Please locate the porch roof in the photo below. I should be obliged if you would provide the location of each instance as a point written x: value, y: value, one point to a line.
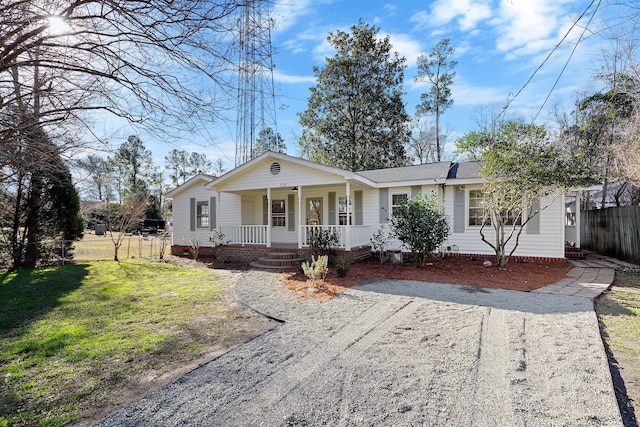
x: 338, y: 174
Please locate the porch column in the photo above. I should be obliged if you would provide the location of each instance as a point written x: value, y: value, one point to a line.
x: 578, y: 214
x: 300, y: 225
x: 347, y: 237
x: 269, y: 219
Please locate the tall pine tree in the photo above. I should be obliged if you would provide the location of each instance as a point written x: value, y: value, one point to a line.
x: 437, y: 69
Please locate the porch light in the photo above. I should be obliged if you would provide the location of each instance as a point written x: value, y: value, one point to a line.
x: 294, y: 189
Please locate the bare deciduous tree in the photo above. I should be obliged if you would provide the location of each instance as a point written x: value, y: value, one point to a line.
x: 143, y: 60
x: 121, y: 217
x: 422, y: 145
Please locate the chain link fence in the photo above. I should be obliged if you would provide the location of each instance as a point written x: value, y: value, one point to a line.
x: 102, y: 248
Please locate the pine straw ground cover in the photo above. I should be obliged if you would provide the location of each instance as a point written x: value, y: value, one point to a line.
x: 520, y: 276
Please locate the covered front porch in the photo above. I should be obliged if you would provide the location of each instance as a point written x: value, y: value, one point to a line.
x: 289, y: 217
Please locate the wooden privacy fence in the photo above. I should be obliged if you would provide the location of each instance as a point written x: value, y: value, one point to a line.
x: 612, y: 231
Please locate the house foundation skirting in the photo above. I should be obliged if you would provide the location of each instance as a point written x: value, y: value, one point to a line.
x: 252, y: 253
x: 513, y: 258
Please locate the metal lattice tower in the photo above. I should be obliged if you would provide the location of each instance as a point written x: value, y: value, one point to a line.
x: 256, y: 95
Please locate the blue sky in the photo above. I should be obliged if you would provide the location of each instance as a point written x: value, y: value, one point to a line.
x: 499, y: 44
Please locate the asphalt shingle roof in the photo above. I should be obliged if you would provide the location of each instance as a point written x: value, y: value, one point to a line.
x: 431, y: 171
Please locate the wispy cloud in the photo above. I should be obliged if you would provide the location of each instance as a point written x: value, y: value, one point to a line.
x: 529, y: 27
x: 287, y: 12
x: 466, y: 93
x: 292, y: 79
x: 465, y: 13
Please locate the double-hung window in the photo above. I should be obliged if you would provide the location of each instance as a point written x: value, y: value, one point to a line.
x: 278, y: 213
x: 396, y: 200
x: 477, y: 211
x: 477, y: 208
x: 202, y: 214
x: 344, y: 218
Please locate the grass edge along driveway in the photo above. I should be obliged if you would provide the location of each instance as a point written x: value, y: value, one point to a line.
x: 618, y: 312
x: 73, y: 338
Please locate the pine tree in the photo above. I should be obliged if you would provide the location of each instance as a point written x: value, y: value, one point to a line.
x: 437, y: 69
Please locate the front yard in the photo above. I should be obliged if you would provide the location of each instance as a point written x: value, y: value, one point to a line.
x: 79, y: 340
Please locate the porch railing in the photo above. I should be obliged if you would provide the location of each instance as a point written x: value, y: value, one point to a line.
x: 257, y: 234
x: 359, y: 234
x: 245, y: 234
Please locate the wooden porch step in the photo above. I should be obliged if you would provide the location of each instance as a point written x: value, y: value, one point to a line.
x: 278, y: 261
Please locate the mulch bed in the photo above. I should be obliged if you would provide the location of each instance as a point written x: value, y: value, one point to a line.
x: 519, y: 276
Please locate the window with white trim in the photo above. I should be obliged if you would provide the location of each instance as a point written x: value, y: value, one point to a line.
x: 396, y: 200
x: 477, y: 212
x: 342, y: 210
x: 477, y: 208
x: 202, y: 214
x: 278, y: 213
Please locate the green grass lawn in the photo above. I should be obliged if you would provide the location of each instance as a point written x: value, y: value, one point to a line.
x: 73, y: 337
x: 619, y: 315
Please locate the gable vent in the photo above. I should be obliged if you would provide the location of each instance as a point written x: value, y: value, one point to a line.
x: 275, y: 168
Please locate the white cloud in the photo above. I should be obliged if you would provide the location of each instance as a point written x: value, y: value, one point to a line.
x: 528, y: 27
x: 287, y: 12
x: 464, y: 93
x: 466, y: 13
x: 287, y: 78
x: 405, y: 46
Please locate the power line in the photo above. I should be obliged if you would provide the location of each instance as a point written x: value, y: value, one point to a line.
x: 555, y: 48
x: 575, y: 46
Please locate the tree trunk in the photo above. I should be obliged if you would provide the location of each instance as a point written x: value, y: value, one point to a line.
x: 32, y: 251
x: 16, y: 239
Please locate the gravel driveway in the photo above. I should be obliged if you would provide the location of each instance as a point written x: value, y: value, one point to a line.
x: 399, y: 353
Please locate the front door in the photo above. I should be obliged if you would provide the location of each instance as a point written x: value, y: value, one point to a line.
x: 314, y: 211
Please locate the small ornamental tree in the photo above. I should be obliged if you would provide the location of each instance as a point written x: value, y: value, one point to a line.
x: 524, y: 172
x: 419, y: 223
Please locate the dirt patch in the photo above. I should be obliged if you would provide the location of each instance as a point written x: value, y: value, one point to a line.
x: 518, y: 276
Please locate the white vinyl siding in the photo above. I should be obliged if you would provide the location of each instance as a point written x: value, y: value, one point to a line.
x: 291, y: 175
x: 548, y: 243
x: 181, y: 232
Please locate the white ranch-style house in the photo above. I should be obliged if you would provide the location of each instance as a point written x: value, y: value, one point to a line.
x: 274, y: 201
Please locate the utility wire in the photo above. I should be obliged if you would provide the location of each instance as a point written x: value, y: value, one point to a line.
x: 555, y: 48
x: 575, y: 46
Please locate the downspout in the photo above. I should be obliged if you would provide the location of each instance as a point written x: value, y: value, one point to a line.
x: 269, y: 219
x: 347, y: 242
x: 300, y: 225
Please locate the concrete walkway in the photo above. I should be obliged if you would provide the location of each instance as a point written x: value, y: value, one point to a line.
x: 589, y: 277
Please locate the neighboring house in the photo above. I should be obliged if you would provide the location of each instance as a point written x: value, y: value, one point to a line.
x: 273, y: 202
